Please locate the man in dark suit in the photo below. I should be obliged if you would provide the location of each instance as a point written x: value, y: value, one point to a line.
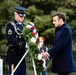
x: 16, y: 42
x: 61, y: 52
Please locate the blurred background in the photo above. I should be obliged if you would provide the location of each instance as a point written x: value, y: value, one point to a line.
x: 40, y: 13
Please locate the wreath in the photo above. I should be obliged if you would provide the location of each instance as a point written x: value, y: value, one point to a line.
x: 31, y: 36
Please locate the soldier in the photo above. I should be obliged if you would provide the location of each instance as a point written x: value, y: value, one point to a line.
x: 16, y: 42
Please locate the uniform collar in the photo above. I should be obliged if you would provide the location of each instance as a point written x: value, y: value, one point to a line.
x: 17, y: 22
x: 58, y: 28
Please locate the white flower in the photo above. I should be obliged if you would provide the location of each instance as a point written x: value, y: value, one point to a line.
x: 34, y: 30
x: 39, y: 56
x: 28, y: 26
x: 33, y: 39
x: 44, y: 64
x: 36, y: 35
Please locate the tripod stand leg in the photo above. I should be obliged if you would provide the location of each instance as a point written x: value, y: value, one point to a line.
x: 34, y: 66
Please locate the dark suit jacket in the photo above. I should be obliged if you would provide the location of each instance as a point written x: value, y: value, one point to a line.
x: 61, y: 53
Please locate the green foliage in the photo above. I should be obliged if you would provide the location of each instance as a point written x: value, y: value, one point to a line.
x: 32, y: 12
x: 6, y: 14
x: 40, y: 13
x: 43, y: 22
x: 45, y: 27
x: 72, y: 24
x: 46, y: 34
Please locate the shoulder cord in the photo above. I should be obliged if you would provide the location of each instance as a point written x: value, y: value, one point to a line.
x: 14, y: 25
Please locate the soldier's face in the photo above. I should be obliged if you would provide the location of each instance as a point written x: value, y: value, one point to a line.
x: 18, y: 17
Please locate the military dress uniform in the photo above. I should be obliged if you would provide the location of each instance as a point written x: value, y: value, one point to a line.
x: 16, y: 46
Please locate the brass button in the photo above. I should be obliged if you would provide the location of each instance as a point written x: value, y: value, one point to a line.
x: 16, y: 36
x: 12, y: 50
x: 19, y: 37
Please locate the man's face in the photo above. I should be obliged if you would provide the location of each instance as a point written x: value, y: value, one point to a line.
x: 56, y: 21
x: 18, y: 17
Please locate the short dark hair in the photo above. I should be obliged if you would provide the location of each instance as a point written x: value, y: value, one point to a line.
x: 60, y: 15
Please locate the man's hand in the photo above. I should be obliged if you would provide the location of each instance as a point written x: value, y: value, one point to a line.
x: 45, y: 55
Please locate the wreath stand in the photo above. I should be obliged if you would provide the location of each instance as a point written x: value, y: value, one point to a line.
x: 21, y: 61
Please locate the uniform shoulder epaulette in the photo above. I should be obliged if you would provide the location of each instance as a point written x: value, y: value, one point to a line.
x: 8, y: 24
x: 12, y: 23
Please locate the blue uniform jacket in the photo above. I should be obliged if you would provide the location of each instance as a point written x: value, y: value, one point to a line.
x: 61, y: 53
x: 16, y: 42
